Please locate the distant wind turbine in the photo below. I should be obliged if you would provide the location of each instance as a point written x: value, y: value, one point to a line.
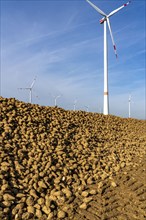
x: 87, y: 108
x: 129, y: 105
x: 55, y: 99
x: 30, y: 90
x: 106, y: 21
x: 75, y: 101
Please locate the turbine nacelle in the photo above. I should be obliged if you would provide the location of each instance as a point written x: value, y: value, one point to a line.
x: 102, y: 20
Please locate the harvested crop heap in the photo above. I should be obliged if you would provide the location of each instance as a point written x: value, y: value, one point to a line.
x: 49, y: 157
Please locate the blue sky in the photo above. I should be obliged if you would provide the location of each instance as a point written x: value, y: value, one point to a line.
x: 61, y: 42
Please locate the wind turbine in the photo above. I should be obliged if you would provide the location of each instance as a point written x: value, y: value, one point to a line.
x: 30, y: 90
x: 105, y: 21
x: 75, y: 101
x: 129, y: 105
x: 87, y: 108
x: 55, y: 100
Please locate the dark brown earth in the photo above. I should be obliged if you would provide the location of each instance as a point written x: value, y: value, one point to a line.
x: 57, y: 164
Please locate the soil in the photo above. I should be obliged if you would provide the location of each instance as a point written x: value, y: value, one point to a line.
x: 125, y: 201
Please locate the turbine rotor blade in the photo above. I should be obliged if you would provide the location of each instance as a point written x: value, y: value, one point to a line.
x: 118, y: 9
x: 110, y: 30
x: 24, y: 88
x: 96, y: 8
x: 33, y: 83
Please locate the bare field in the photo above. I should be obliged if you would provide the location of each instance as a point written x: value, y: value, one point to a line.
x: 57, y: 164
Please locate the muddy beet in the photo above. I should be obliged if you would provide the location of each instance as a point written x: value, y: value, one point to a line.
x: 58, y: 164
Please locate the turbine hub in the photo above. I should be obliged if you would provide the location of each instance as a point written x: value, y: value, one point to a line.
x: 102, y: 20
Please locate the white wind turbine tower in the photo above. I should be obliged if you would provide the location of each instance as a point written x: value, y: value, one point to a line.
x: 75, y: 102
x: 30, y: 90
x: 106, y: 21
x: 129, y: 106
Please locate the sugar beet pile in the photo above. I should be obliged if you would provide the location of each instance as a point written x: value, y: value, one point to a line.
x: 49, y: 156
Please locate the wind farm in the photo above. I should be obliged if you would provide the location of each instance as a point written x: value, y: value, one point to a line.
x: 66, y: 154
x: 66, y: 51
